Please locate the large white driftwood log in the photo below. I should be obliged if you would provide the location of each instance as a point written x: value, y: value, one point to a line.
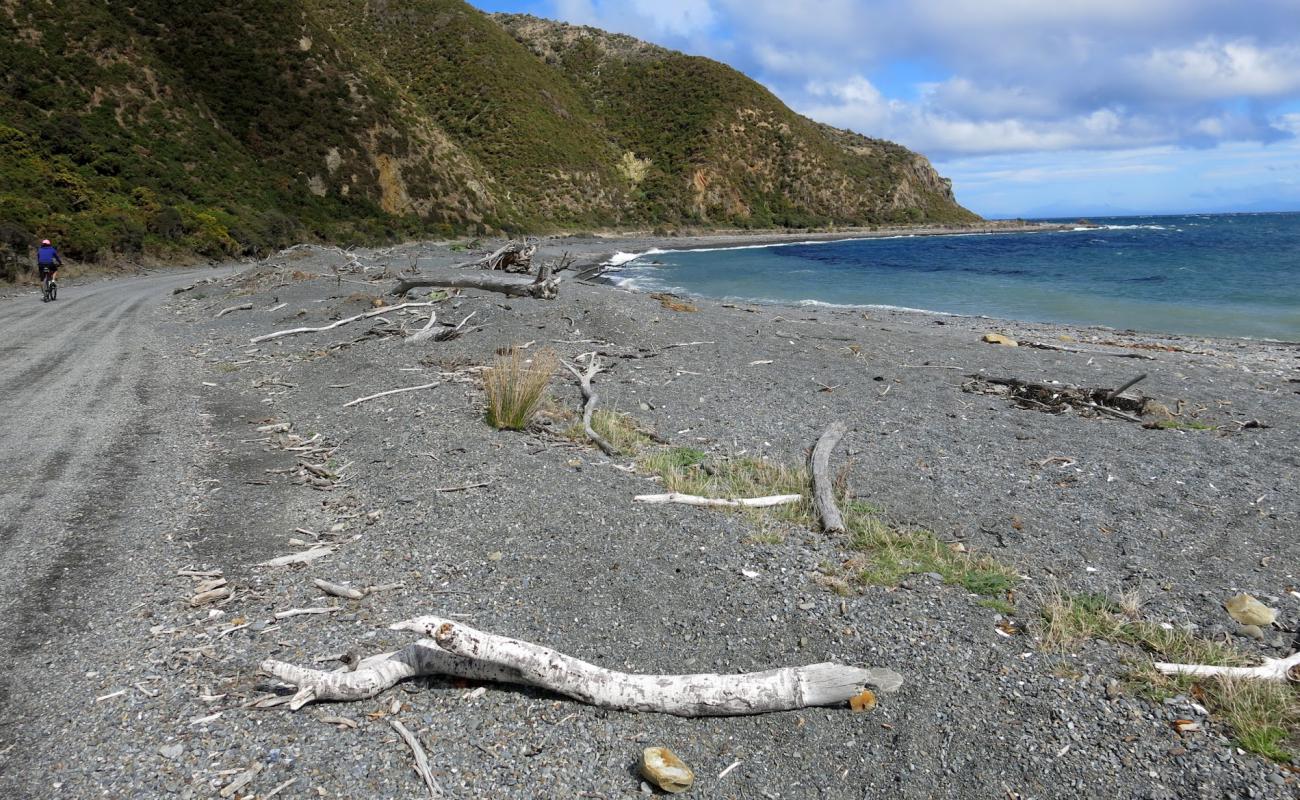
x: 590, y: 398
x: 823, y: 484
x: 458, y: 650
x: 1273, y: 669
x: 696, y: 500
x: 544, y: 287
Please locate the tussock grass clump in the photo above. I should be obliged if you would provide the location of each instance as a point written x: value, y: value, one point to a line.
x: 516, y: 386
x: 1264, y: 716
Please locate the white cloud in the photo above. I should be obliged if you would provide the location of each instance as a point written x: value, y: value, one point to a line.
x: 644, y: 18
x: 986, y: 76
x: 1211, y: 69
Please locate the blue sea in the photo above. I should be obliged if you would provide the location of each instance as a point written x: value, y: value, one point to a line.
x: 1234, y: 275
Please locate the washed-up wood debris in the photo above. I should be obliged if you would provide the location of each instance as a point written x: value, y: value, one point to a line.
x: 1062, y: 398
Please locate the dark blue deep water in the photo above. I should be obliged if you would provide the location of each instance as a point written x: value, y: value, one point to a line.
x: 1210, y: 275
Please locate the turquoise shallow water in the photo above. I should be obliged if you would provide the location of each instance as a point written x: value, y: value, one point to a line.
x: 1210, y: 275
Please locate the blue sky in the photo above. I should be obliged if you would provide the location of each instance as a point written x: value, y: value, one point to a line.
x: 1032, y: 107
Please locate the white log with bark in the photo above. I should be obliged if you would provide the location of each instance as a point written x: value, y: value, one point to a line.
x: 458, y: 650
x: 1273, y: 669
x: 823, y: 485
x: 544, y: 287
x: 742, y: 502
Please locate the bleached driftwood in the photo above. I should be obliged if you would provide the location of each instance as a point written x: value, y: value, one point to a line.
x: 457, y: 650
x: 421, y: 760
x: 695, y: 500
x: 338, y: 324
x: 823, y: 485
x: 305, y: 557
x: 514, y: 257
x: 233, y: 309
x: 590, y: 398
x: 338, y: 590
x: 377, y: 673
x: 369, y: 397
x: 543, y: 287
x: 427, y: 332
x: 1273, y: 669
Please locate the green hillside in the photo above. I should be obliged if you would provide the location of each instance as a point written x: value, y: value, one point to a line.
x: 233, y: 127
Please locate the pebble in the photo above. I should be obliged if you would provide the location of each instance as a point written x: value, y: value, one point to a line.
x: 171, y: 751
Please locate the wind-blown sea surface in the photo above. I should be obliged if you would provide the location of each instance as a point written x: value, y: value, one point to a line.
x: 1212, y: 275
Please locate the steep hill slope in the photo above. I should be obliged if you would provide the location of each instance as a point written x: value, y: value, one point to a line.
x: 237, y: 126
x: 715, y: 146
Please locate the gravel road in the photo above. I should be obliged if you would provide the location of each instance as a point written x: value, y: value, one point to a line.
x: 114, y: 685
x: 92, y: 450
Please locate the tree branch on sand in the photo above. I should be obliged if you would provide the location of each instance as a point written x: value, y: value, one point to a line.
x: 457, y: 650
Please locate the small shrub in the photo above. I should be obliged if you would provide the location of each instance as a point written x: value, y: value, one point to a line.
x: 515, y: 387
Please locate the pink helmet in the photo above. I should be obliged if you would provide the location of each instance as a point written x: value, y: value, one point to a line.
x: 45, y: 241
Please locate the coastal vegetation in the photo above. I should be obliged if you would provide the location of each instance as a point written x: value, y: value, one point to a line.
x: 1263, y: 716
x: 235, y: 128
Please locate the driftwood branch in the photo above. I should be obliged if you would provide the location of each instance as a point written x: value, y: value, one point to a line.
x: 233, y: 309
x: 340, y: 323
x: 421, y: 760
x: 695, y: 500
x: 378, y: 395
x: 458, y: 650
x: 543, y: 287
x: 1127, y: 386
x: 1273, y: 669
x: 1062, y: 349
x: 823, y: 484
x: 590, y: 398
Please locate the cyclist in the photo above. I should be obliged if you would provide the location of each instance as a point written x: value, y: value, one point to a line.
x: 47, y: 264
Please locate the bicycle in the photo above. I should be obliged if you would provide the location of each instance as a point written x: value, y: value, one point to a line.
x: 49, y: 290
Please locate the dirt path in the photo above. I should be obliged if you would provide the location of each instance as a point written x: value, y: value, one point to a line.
x: 90, y: 459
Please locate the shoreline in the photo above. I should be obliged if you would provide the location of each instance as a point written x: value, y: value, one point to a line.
x: 596, y: 262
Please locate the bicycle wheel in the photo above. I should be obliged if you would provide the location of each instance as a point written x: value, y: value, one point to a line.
x: 54, y: 291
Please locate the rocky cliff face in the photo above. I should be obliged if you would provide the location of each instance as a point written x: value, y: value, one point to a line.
x: 235, y: 126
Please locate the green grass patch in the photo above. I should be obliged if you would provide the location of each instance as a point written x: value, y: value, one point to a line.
x: 1183, y: 425
x: 1264, y: 716
x: 617, y: 428
x: 884, y: 555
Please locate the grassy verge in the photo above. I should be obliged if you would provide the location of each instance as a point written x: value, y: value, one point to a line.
x: 1263, y: 716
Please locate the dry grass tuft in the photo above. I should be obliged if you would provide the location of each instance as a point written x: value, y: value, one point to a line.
x: 516, y: 386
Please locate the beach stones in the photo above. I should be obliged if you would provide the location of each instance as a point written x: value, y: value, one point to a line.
x: 664, y: 769
x: 1249, y: 611
x: 997, y: 338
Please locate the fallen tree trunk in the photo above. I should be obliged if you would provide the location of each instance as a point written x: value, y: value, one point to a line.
x: 458, y: 650
x: 544, y: 287
x: 590, y: 398
x: 823, y: 485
